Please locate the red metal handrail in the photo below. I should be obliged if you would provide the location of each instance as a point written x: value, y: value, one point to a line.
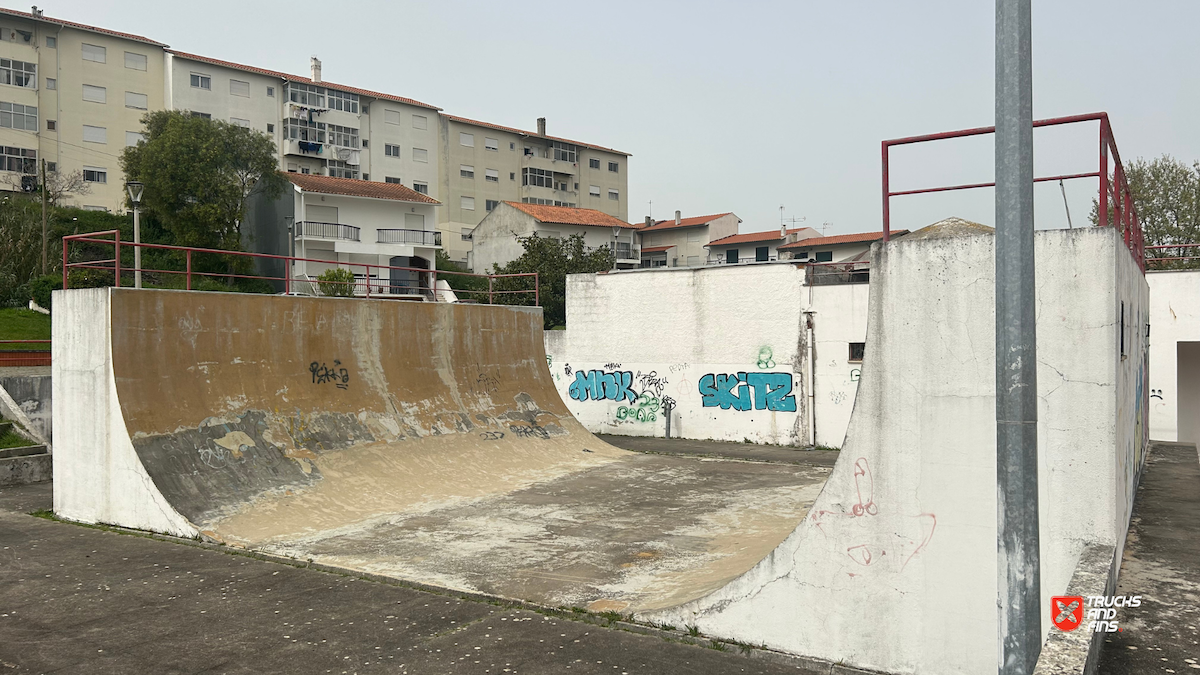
x: 1124, y: 210
x: 114, y: 264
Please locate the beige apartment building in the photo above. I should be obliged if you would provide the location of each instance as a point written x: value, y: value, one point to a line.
x: 681, y: 242
x: 74, y: 96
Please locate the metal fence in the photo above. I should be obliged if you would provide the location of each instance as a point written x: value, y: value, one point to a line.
x: 418, y: 237
x: 311, y: 228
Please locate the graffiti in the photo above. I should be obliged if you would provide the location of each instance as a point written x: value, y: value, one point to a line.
x: 837, y: 397
x: 855, y: 374
x: 600, y: 386
x: 678, y: 367
x: 612, y: 366
x: 532, y: 431
x: 487, y: 383
x: 668, y: 404
x: 757, y: 391
x: 651, y: 380
x: 567, y: 369
x: 549, y: 361
x: 766, y: 358
x: 492, y: 435
x: 212, y: 455
x: 322, y: 374
x: 644, y: 409
x: 1156, y: 393
x: 862, y: 476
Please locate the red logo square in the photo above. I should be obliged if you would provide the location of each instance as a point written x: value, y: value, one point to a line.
x: 1066, y: 611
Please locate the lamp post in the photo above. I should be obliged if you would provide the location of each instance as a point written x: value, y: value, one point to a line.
x: 616, y: 240
x: 135, y: 190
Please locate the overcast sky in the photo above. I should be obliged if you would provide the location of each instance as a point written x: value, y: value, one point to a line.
x: 742, y: 106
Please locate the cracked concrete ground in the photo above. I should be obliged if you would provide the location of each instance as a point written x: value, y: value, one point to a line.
x: 1161, y: 564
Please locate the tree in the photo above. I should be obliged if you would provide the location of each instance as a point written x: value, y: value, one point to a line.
x: 469, y: 287
x: 553, y: 259
x: 200, y: 174
x: 58, y: 185
x: 1166, y: 193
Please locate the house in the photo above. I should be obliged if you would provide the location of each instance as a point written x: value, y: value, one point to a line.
x: 353, y: 224
x: 496, y: 239
x: 755, y: 246
x: 681, y: 242
x: 835, y: 248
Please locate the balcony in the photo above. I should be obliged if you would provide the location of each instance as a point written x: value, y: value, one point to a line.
x: 413, y: 237
x: 332, y: 231
x: 627, y: 252
x: 547, y: 164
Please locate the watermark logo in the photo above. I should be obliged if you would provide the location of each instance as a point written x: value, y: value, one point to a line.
x: 1066, y: 611
x: 1069, y: 612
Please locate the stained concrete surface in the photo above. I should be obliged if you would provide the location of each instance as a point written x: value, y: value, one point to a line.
x: 1161, y: 564
x: 722, y: 449
x: 76, y: 599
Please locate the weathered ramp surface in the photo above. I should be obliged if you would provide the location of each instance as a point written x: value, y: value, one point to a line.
x: 419, y: 440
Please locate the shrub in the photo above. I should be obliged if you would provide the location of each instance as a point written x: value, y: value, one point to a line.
x: 336, y: 282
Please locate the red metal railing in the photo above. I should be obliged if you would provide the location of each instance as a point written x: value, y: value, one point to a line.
x: 10, y: 357
x: 1152, y: 257
x: 382, y: 287
x: 1112, y: 185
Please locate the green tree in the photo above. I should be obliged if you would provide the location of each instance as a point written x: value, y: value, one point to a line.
x: 199, y: 175
x: 1166, y: 193
x: 470, y: 287
x: 553, y: 259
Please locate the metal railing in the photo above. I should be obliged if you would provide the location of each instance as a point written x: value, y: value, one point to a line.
x: 310, y: 228
x: 369, y: 278
x: 1173, y: 256
x: 14, y: 353
x: 419, y: 237
x: 830, y: 273
x: 740, y: 261
x: 1113, y: 184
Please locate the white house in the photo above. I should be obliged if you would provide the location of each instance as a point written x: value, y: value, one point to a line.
x: 755, y: 246
x: 681, y: 242
x: 497, y: 238
x: 835, y: 248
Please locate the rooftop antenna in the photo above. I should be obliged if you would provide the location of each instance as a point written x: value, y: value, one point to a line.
x: 1065, y: 205
x: 652, y: 209
x: 823, y: 226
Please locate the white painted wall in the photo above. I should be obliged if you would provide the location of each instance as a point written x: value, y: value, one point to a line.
x: 1174, y: 318
x: 899, y: 550
x: 495, y: 239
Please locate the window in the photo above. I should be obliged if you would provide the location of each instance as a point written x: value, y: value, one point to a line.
x: 300, y: 129
x: 51, y: 42
x: 135, y: 61
x: 491, y: 144
x: 693, y: 260
x: 340, y: 169
x: 93, y: 174
x: 613, y: 167
x: 467, y: 203
x: 366, y: 176
x: 614, y: 194
x: 423, y: 188
x: 346, y: 137
x: 51, y: 166
x: 419, y: 121
x: 20, y: 160
x: 393, y: 179
x: 512, y: 175
x: 466, y: 171
x: 271, y: 92
x: 17, y: 116
x: 136, y: 100
x: 731, y: 255
x: 132, y: 138
x: 51, y: 125
x: 305, y: 170
x: 94, y: 94
x: 537, y: 177
x: 467, y: 140
x: 391, y: 150
x: 95, y: 134
x: 492, y: 203
x: 491, y: 175
x: 239, y: 88
x: 593, y: 163
x: 201, y: 81
x: 240, y: 122
x: 594, y: 190
x: 94, y: 53
x: 693, y: 235
x: 564, y: 151
x: 270, y: 128
x: 392, y: 117
x: 560, y: 186
x: 18, y: 73
x: 857, y: 349
x: 306, y: 94
x: 293, y: 167
x: 420, y: 155
x: 465, y: 233
x: 51, y: 83
x: 202, y: 115
x: 346, y: 102
x: 762, y: 253
x: 824, y: 256
x: 364, y: 143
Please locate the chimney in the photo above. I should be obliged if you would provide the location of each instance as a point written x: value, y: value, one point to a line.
x: 541, y: 126
x: 678, y: 219
x: 782, y: 231
x: 37, y: 13
x: 648, y: 221
x: 315, y: 64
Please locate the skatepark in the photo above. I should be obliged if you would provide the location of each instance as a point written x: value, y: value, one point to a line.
x: 427, y: 442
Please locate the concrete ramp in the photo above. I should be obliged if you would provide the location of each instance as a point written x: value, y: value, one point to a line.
x: 423, y: 441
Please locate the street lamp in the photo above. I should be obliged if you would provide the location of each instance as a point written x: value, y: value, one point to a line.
x: 135, y: 190
x: 616, y: 240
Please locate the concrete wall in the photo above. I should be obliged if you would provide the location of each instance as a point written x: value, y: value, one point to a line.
x: 1188, y: 408
x: 899, y: 549
x: 678, y: 334
x: 1174, y: 318
x: 34, y: 395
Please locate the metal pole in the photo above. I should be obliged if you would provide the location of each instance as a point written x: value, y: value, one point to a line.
x: 137, y: 249
x: 1017, y: 544
x: 45, y: 230
x: 887, y: 200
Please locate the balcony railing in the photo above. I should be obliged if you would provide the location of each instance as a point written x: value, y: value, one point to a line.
x: 418, y: 237
x: 308, y: 228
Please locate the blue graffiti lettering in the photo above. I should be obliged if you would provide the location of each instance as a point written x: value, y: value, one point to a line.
x: 757, y: 391
x: 599, y: 386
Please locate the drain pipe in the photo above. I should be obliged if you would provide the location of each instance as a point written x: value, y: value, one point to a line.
x: 811, y: 336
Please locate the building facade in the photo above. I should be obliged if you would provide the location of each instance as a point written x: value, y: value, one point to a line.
x: 755, y: 246
x: 681, y: 242
x: 834, y: 248
x: 496, y: 238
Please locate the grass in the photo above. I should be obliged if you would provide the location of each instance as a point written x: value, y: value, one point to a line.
x: 12, y: 439
x: 24, y: 324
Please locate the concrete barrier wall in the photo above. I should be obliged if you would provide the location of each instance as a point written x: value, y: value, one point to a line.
x: 33, y: 394
x: 1174, y: 318
x: 728, y: 347
x: 899, y: 550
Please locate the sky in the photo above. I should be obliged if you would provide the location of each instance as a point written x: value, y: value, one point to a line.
x: 742, y: 107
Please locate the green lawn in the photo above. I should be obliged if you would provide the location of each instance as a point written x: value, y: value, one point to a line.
x: 24, y: 324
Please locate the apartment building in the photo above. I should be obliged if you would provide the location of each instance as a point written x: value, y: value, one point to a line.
x: 73, y: 95
x: 486, y: 164
x: 681, y: 242
x: 496, y: 239
x: 755, y: 246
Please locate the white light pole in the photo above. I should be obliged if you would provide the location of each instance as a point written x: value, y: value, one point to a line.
x: 616, y: 240
x: 135, y: 189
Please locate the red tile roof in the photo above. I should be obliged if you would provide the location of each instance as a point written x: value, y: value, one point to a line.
x: 301, y: 79
x: 655, y: 249
x: 685, y: 222
x: 353, y: 187
x: 512, y: 130
x: 859, y: 238
x: 80, y: 26
x: 566, y: 215
x: 769, y: 235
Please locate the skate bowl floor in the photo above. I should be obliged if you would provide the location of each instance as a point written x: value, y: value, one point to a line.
x: 420, y: 441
